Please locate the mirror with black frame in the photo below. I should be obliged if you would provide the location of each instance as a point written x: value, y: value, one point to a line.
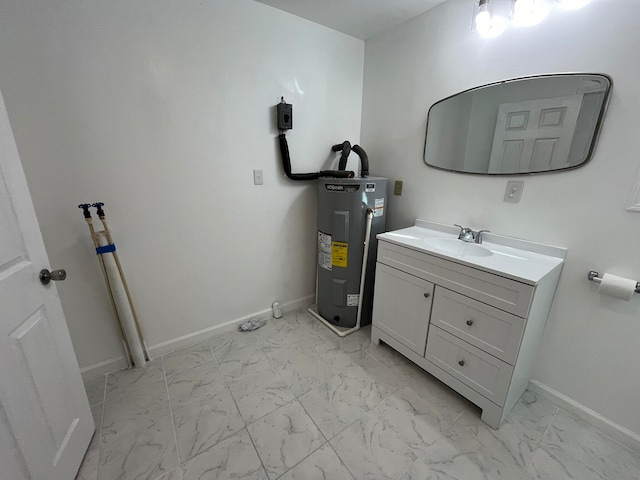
x: 525, y: 125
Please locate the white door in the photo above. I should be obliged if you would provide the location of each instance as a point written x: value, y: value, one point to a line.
x: 535, y: 135
x: 45, y: 420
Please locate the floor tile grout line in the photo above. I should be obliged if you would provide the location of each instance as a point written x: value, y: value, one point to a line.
x: 246, y: 427
x: 306, y: 413
x: 246, y: 424
x: 173, y: 422
x: 312, y: 420
x: 104, y: 403
x: 338, y: 432
x: 131, y: 388
x: 200, y: 405
x: 188, y: 368
x: 104, y: 393
x: 307, y: 456
x: 544, y: 434
x: 274, y: 369
x: 341, y: 461
x: 368, y: 409
x: 167, y: 377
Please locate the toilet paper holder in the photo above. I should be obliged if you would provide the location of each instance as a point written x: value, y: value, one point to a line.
x: 595, y: 277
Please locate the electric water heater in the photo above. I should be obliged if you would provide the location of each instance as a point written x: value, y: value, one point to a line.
x: 342, y: 219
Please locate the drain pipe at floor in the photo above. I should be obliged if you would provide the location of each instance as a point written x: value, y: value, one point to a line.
x: 365, y: 258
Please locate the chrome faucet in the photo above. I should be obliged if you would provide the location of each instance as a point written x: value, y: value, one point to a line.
x: 468, y: 235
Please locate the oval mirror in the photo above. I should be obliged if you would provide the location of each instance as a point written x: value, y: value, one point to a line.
x: 525, y: 125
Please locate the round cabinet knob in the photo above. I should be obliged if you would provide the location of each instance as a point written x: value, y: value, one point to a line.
x: 469, y: 322
x: 461, y: 363
x: 427, y: 295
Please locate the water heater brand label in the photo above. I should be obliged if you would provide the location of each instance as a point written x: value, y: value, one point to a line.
x: 378, y: 209
x: 339, y: 254
x: 334, y: 187
x: 324, y: 250
x: 370, y: 187
x: 353, y: 299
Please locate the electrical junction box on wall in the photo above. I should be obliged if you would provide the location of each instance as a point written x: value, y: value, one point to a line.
x: 285, y: 116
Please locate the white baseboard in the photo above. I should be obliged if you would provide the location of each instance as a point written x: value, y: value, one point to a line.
x: 621, y: 434
x: 102, y: 368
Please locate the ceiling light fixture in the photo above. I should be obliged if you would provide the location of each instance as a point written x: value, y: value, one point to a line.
x: 483, y: 18
x: 486, y: 24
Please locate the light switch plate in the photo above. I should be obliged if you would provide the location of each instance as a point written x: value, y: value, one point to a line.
x: 257, y: 177
x: 514, y: 191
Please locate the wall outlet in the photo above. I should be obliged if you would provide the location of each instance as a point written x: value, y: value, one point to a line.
x: 397, y: 187
x: 513, y: 192
x: 257, y: 177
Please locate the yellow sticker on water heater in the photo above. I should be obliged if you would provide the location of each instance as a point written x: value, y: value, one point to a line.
x: 339, y: 254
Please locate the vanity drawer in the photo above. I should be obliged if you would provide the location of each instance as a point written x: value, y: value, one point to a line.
x: 500, y: 292
x: 483, y: 372
x: 492, y: 330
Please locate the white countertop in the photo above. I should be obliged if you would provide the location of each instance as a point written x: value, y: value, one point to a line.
x: 517, y: 259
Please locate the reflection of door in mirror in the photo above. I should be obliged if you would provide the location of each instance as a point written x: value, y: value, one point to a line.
x: 535, y: 135
x: 526, y: 125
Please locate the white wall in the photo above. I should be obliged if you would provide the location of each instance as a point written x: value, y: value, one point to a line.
x: 590, y: 349
x: 161, y: 109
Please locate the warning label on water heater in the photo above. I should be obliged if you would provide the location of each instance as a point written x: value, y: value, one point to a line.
x: 339, y: 254
x: 353, y: 300
x: 324, y: 250
x: 378, y: 209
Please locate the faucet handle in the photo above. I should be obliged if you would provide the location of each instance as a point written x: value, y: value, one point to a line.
x: 478, y: 235
x: 463, y: 230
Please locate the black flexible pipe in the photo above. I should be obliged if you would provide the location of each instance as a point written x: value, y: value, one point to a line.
x: 346, y: 150
x: 337, y: 173
x: 286, y: 165
x: 340, y: 146
x: 364, y: 160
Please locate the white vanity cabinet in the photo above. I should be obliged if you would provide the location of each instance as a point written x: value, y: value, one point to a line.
x: 474, y: 322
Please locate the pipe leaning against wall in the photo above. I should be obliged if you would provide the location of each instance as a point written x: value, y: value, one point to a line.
x: 124, y: 311
x: 123, y: 307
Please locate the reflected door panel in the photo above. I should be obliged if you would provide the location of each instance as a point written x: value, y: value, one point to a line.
x: 534, y: 136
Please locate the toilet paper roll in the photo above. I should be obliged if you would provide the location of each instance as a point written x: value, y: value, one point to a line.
x: 617, y: 287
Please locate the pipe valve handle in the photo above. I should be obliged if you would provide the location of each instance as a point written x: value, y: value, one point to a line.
x: 99, y: 210
x: 85, y: 209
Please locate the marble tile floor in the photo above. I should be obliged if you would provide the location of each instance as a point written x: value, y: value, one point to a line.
x: 293, y: 401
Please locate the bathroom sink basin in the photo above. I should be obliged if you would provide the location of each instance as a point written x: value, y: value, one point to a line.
x: 514, y: 258
x: 458, y: 248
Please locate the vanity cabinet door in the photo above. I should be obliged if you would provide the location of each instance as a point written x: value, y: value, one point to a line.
x: 402, y: 306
